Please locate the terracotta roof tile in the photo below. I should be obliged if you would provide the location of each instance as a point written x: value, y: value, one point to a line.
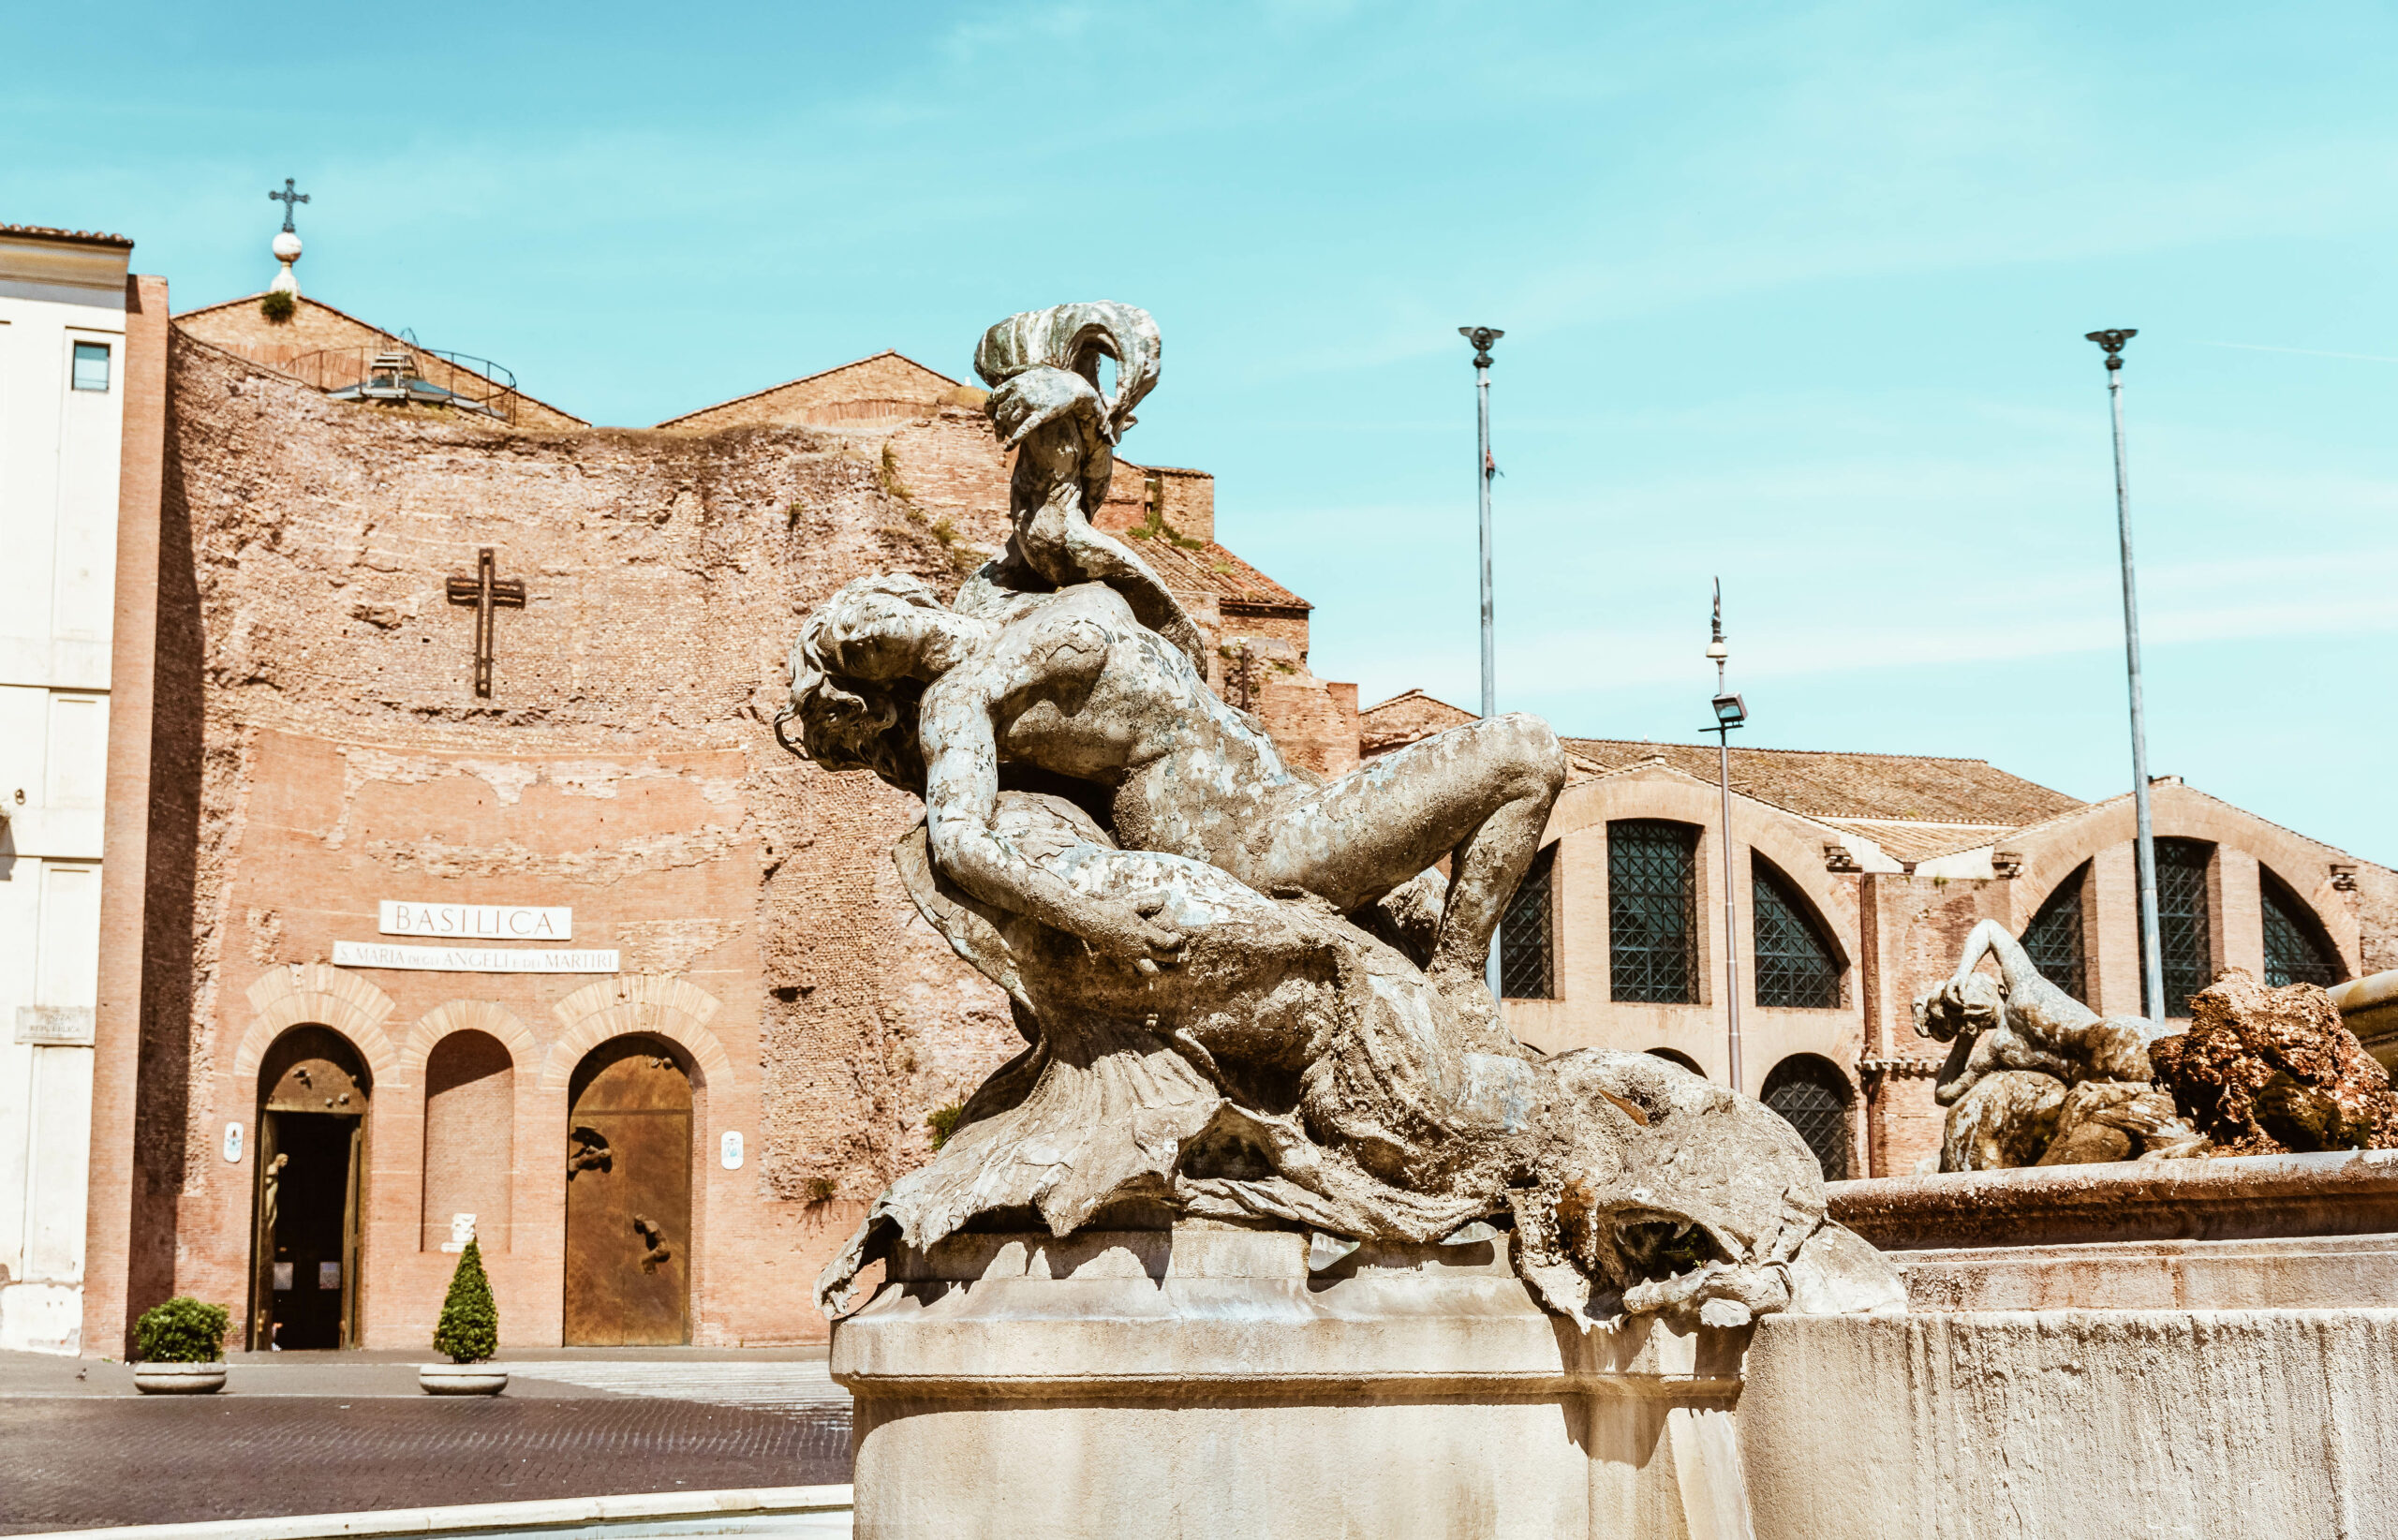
x: 1213, y: 570
x: 81, y: 237
x: 1901, y: 787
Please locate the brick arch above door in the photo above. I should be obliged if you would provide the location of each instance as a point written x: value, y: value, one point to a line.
x: 672, y: 1008
x: 316, y: 994
x: 477, y: 1015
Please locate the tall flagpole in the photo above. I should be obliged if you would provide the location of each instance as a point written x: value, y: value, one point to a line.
x: 2153, y: 1002
x: 1482, y: 337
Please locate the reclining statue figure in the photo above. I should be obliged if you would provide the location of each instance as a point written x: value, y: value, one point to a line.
x: 1246, y: 993
x: 2022, y: 1052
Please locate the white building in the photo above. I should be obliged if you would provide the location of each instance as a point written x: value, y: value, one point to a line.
x: 62, y: 376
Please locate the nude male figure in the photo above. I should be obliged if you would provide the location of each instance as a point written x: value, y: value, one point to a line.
x: 884, y: 675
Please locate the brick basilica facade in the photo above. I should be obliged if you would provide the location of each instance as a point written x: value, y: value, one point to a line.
x: 490, y: 662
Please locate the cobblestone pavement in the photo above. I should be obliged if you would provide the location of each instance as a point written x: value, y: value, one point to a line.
x: 332, y: 1435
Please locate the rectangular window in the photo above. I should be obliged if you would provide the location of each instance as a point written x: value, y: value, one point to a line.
x: 1527, y: 962
x: 90, y: 366
x: 1652, y: 911
x: 2184, y: 928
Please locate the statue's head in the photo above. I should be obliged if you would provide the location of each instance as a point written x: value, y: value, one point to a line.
x: 1954, y: 1010
x: 1074, y: 338
x: 852, y: 684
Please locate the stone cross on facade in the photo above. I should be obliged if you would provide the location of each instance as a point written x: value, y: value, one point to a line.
x: 486, y: 593
x: 287, y: 198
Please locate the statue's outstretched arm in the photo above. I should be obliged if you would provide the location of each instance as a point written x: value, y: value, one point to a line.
x: 961, y: 806
x: 1987, y: 937
x: 2030, y: 993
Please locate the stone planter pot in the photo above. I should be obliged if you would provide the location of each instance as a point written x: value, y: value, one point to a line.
x: 460, y: 1379
x: 179, y: 1378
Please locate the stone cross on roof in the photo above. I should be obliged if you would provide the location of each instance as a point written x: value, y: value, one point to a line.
x: 287, y: 198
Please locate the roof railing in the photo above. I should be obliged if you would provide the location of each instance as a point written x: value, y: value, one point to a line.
x: 410, y: 374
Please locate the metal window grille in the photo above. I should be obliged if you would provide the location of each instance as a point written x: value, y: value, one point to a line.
x: 2293, y: 955
x: 2054, y: 938
x: 1794, y: 966
x: 2182, y: 926
x: 1527, y: 958
x: 1652, y: 911
x: 1813, y: 1098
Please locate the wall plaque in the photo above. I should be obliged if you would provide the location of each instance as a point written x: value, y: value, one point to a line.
x: 473, y: 959
x: 475, y: 921
x: 55, y: 1026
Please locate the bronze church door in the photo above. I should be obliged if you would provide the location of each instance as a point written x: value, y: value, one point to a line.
x: 628, y: 1197
x: 311, y: 1166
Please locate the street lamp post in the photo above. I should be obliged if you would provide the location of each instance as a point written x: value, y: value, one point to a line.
x: 1730, y: 712
x: 2152, y: 1003
x: 1482, y: 337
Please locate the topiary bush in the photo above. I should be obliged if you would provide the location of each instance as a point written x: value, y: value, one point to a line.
x: 277, y: 306
x: 183, y: 1330
x: 469, y: 1329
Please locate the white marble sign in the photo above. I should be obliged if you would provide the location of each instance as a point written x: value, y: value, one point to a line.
x: 473, y: 959
x: 475, y: 921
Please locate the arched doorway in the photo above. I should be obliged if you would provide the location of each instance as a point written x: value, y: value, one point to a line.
x: 1675, y: 1056
x: 628, y: 1195
x: 310, y: 1166
x: 1812, y: 1097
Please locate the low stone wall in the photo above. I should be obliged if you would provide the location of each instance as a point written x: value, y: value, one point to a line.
x: 2243, y: 1197
x: 1212, y: 1382
x: 2060, y: 1423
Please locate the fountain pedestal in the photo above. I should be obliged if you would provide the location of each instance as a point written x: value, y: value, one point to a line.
x: 1203, y: 1382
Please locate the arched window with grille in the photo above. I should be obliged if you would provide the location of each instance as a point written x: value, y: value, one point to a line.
x: 1652, y: 911
x: 2054, y: 938
x: 1813, y: 1096
x: 2185, y: 924
x: 2296, y: 949
x: 1526, y: 946
x: 1675, y: 1056
x: 1794, y: 965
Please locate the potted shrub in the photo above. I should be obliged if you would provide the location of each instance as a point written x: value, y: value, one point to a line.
x: 178, y: 1348
x: 468, y: 1333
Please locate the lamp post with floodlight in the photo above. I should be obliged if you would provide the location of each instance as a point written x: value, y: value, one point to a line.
x: 2153, y: 1001
x: 1730, y: 713
x: 1482, y: 337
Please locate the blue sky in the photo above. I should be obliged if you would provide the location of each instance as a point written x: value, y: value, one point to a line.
x: 1794, y: 294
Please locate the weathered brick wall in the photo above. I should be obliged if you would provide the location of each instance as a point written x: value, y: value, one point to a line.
x: 623, y: 767
x: 333, y: 755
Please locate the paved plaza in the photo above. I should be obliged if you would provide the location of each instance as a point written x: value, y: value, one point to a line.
x: 295, y: 1433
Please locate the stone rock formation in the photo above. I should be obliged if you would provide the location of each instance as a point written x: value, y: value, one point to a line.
x: 1246, y: 994
x: 2265, y: 1071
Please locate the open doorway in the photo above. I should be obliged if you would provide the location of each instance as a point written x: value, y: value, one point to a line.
x: 311, y: 1161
